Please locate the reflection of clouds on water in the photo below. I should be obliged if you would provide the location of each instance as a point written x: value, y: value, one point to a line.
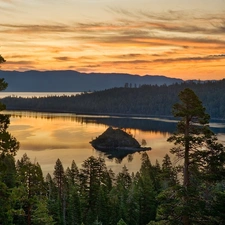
x: 217, y: 125
x: 27, y: 131
x: 48, y: 136
x: 155, y: 119
x: 43, y: 146
x: 221, y: 138
x: 66, y: 134
x: 20, y: 127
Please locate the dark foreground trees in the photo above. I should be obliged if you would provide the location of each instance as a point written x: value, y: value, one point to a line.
x: 8, y: 148
x: 203, y: 165
x: 8, y: 144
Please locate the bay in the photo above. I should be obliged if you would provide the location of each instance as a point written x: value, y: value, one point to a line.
x: 45, y: 137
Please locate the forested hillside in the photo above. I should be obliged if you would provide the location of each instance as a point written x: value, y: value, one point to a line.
x: 144, y: 100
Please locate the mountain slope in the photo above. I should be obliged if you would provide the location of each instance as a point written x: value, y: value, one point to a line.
x: 73, y: 81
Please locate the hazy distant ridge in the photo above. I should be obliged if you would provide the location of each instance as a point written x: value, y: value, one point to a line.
x: 53, y: 81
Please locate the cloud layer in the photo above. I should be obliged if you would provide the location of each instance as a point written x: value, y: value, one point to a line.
x: 179, y: 43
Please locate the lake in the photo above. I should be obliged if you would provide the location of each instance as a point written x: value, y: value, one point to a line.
x: 45, y: 137
x: 4, y: 94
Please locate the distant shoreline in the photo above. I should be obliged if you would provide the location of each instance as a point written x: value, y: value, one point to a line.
x: 91, y: 114
x: 137, y: 116
x: 28, y: 94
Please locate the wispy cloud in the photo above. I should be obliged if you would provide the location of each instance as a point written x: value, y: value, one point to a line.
x: 63, y: 58
x: 131, y: 42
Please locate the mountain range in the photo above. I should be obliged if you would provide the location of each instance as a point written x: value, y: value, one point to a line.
x: 73, y: 81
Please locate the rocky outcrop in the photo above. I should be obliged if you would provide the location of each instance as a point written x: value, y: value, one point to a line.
x: 115, y: 139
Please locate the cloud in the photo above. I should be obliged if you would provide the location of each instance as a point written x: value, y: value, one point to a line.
x: 21, y: 62
x: 63, y: 58
x: 35, y: 28
x: 183, y: 21
x: 131, y: 41
x: 7, y: 1
x: 162, y: 60
x: 188, y: 59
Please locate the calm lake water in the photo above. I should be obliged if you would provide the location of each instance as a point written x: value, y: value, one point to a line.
x: 45, y: 137
x: 35, y: 94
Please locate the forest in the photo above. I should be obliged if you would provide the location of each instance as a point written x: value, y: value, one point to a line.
x: 144, y: 100
x: 190, y: 189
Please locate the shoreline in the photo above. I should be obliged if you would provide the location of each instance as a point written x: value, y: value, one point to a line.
x: 98, y: 114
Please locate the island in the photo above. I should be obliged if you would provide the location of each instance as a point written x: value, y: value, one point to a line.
x: 117, y: 143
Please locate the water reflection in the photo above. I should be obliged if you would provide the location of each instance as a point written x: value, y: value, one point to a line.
x: 45, y: 137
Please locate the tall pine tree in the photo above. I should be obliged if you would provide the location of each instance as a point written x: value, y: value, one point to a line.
x: 197, y: 147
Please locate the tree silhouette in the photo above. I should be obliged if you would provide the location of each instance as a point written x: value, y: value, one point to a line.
x: 196, y: 146
x: 8, y: 144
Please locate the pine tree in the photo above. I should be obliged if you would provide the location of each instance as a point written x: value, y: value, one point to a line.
x: 8, y: 143
x: 148, y: 185
x: 92, y: 177
x: 31, y: 178
x: 53, y: 199
x: 197, y: 146
x: 169, y: 175
x: 40, y: 214
x: 121, y: 222
x: 73, y: 209
x: 60, y: 183
x: 72, y: 174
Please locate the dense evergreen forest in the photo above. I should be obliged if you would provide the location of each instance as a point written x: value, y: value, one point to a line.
x: 144, y: 100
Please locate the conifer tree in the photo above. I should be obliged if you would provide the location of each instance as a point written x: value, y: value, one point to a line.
x: 31, y: 178
x: 8, y: 148
x: 121, y: 222
x: 8, y: 143
x: 197, y: 146
x: 73, y: 210
x: 59, y: 180
x: 92, y: 177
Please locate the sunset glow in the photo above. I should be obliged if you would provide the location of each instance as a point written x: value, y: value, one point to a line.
x: 182, y: 39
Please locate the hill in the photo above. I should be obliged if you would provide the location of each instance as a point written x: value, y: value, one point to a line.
x: 73, y: 81
x: 147, y: 100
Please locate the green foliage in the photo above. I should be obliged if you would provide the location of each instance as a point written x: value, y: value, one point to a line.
x: 8, y: 170
x: 203, y: 162
x: 5, y: 215
x: 121, y: 222
x: 8, y: 144
x: 40, y: 214
x: 96, y: 197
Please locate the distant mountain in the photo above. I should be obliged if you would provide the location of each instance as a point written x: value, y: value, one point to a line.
x: 73, y: 81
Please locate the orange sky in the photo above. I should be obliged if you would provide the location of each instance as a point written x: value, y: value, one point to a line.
x: 183, y: 39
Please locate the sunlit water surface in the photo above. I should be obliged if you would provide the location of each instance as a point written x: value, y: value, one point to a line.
x: 45, y: 137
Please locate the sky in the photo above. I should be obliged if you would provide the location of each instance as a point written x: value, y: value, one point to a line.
x: 176, y: 38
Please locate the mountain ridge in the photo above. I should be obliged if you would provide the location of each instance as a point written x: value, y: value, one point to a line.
x: 70, y: 80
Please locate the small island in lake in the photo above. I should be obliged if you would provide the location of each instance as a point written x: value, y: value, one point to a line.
x: 117, y: 139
